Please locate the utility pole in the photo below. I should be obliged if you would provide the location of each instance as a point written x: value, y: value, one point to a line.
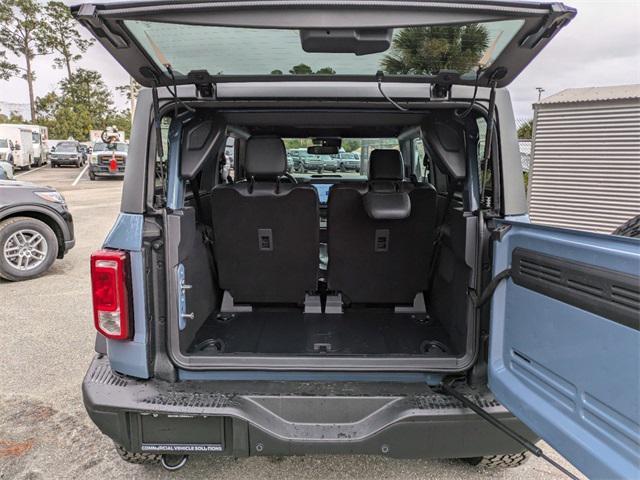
x: 540, y: 90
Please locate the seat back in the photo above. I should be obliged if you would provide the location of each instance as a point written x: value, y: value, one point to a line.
x: 381, y: 235
x: 266, y: 233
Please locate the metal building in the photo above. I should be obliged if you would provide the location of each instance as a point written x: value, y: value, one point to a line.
x: 585, y: 171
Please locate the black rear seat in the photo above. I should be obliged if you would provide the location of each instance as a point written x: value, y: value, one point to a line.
x: 266, y: 237
x: 381, y: 235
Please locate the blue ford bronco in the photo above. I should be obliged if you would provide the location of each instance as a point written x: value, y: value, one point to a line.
x: 408, y: 308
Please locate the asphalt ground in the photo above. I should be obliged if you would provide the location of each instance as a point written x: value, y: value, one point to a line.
x: 46, y: 344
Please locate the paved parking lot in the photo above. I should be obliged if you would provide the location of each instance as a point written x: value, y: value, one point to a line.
x: 46, y: 342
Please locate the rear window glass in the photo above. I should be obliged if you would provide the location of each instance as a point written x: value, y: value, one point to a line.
x: 416, y: 50
x: 119, y: 147
x: 66, y: 147
x: 352, y: 161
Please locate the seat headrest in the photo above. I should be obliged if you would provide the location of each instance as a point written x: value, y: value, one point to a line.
x: 386, y: 164
x: 265, y: 158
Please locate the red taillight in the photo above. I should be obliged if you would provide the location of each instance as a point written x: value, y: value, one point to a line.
x: 110, y: 294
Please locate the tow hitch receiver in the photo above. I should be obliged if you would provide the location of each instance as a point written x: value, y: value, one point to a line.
x: 173, y: 462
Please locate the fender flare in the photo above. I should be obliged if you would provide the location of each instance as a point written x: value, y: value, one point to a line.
x: 48, y: 212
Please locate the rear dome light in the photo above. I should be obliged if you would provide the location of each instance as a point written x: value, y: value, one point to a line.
x: 110, y: 291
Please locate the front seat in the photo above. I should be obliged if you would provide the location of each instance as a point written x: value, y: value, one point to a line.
x: 266, y: 231
x: 381, y: 235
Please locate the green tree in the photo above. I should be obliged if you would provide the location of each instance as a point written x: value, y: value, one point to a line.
x: 351, y: 144
x: 301, y: 69
x: 61, y: 36
x: 13, y: 117
x: 276, y: 72
x: 525, y: 131
x: 427, y: 50
x: 122, y: 120
x: 130, y: 92
x: 83, y: 104
x: 326, y: 71
x: 7, y: 69
x: 20, y: 22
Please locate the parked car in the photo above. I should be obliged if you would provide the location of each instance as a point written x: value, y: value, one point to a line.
x: 303, y: 161
x: 20, y: 143
x: 329, y: 163
x: 36, y: 227
x: 39, y: 142
x: 348, y: 161
x: 6, y: 170
x: 108, y: 159
x: 6, y: 150
x: 446, y: 324
x: 67, y: 153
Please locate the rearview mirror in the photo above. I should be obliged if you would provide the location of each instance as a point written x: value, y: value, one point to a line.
x: 360, y: 42
x: 323, y: 150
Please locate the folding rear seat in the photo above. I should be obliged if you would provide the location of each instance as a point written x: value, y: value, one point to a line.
x: 381, y: 235
x: 266, y: 232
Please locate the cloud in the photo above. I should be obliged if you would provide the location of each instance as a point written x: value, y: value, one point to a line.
x: 601, y: 46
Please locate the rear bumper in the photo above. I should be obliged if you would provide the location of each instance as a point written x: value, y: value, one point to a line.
x: 242, y: 418
x: 350, y: 166
x: 64, y: 161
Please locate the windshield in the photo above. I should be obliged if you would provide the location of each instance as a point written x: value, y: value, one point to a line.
x: 304, y: 165
x: 418, y: 50
x: 67, y: 147
x: 118, y: 147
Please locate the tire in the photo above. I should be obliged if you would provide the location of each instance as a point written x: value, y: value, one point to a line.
x: 630, y: 228
x: 30, y: 228
x: 138, y: 458
x: 510, y: 460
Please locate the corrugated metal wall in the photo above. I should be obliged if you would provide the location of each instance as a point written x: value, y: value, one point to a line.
x: 586, y: 165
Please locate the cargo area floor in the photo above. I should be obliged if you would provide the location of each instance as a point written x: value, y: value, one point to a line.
x: 355, y: 332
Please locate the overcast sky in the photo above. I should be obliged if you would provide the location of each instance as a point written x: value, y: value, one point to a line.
x: 600, y: 47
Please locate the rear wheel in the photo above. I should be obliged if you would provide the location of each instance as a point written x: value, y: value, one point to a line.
x: 510, y: 460
x: 139, y: 458
x: 28, y: 247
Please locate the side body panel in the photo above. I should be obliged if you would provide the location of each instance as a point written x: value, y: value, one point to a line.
x: 130, y: 357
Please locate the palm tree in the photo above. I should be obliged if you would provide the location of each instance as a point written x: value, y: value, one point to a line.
x: 427, y: 50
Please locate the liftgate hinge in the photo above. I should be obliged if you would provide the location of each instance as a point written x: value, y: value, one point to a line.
x: 203, y: 82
